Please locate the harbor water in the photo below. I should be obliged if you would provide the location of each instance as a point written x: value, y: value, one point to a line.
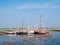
x: 30, y: 39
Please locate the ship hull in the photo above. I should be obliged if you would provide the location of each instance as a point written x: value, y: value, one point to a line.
x: 41, y: 33
x: 10, y: 33
x: 21, y: 33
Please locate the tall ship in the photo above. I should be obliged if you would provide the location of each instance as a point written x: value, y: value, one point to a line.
x: 41, y: 31
x: 22, y: 31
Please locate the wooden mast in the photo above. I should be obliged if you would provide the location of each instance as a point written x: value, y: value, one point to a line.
x: 22, y: 25
x: 40, y: 23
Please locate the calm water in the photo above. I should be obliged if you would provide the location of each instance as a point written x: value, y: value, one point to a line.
x: 54, y: 39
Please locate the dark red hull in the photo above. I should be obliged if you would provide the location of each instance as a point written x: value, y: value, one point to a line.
x: 39, y: 33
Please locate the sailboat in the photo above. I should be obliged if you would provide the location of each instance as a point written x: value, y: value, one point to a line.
x: 22, y: 32
x: 40, y: 31
x: 9, y: 31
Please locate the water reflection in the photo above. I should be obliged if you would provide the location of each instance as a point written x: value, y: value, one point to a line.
x: 36, y: 39
x: 24, y: 40
x: 30, y: 40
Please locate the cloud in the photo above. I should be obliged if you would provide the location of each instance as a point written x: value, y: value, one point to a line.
x: 36, y: 6
x: 31, y: 6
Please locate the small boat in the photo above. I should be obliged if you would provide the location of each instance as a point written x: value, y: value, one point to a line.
x: 9, y: 31
x: 31, y: 32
